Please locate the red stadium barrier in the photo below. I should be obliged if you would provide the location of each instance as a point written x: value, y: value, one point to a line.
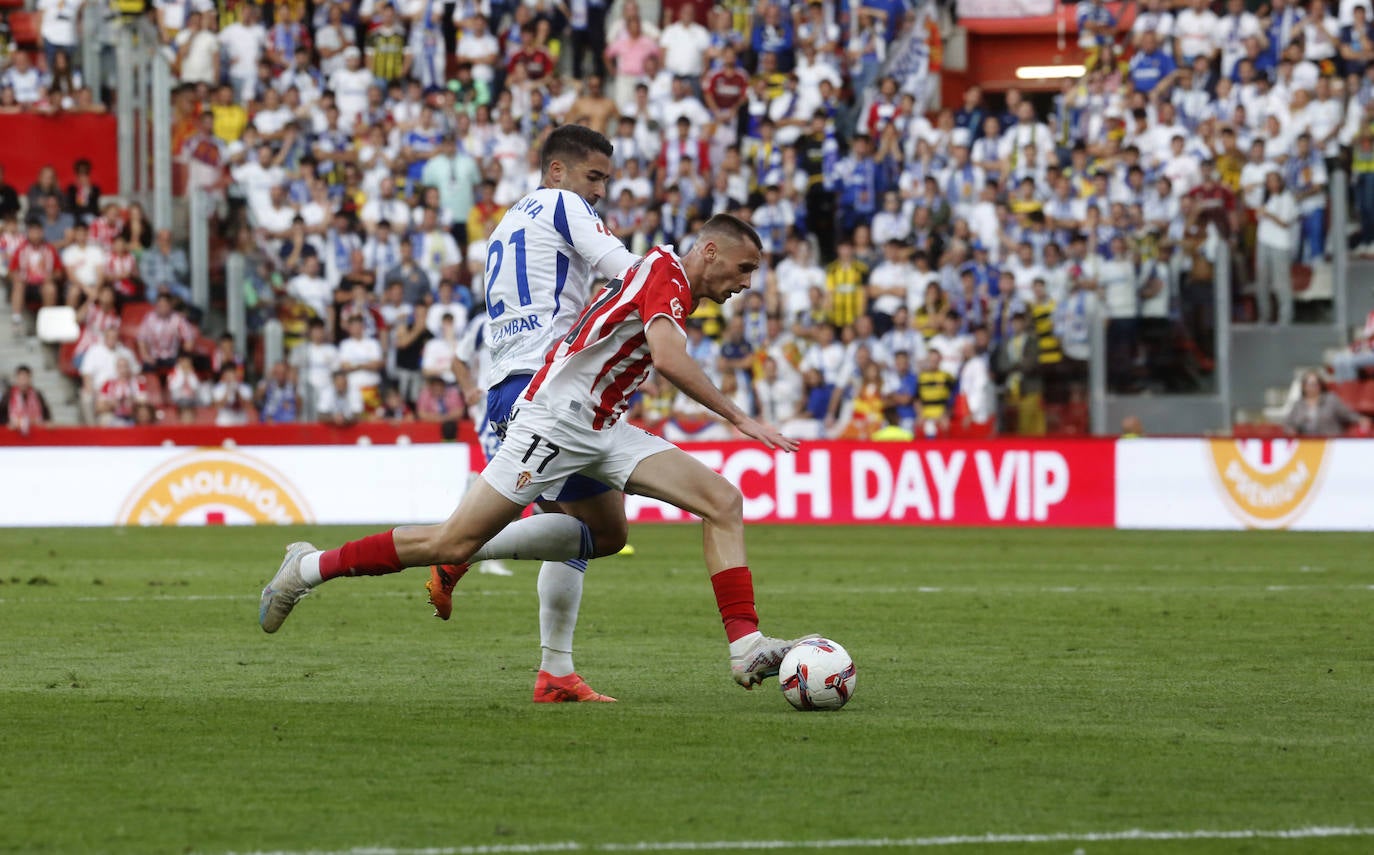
x: 28, y: 142
x: 210, y: 435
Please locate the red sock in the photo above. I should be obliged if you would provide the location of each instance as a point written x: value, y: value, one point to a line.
x: 735, y: 599
x: 455, y: 571
x: 374, y: 555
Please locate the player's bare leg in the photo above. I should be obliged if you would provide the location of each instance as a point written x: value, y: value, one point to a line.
x: 560, y: 598
x: 481, y: 527
x: 560, y: 595
x: 683, y: 481
x: 603, y: 515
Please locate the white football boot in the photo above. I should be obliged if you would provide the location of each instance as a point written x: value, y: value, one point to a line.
x: 287, y: 588
x: 762, y: 659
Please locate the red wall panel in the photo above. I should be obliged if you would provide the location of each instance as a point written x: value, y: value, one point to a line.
x: 30, y: 142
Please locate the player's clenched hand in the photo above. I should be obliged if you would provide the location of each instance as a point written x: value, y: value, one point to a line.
x: 767, y: 434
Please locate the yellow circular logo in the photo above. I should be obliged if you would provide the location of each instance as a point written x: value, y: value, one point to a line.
x: 214, y: 487
x: 1268, y: 483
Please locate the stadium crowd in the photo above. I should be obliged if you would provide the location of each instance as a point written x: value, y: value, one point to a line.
x: 927, y: 272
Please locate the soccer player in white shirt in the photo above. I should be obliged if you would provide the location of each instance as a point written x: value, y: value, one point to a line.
x: 569, y: 423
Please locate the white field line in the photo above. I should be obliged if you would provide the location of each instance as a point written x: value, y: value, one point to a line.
x: 851, y: 589
x: 194, y: 598
x: 1308, y: 833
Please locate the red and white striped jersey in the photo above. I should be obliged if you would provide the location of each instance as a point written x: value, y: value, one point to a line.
x: 35, y: 263
x: 125, y: 394
x: 166, y: 337
x: 9, y: 242
x: 93, y: 329
x: 605, y: 356
x: 103, y: 231
x: 121, y: 265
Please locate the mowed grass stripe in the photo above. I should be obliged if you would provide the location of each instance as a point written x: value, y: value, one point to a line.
x: 1172, y: 691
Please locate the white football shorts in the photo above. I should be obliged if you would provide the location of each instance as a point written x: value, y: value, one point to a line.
x: 542, y: 449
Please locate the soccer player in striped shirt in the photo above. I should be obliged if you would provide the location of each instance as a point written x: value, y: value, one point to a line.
x: 568, y: 422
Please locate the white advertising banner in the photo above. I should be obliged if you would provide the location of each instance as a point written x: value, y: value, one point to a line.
x: 1005, y: 8
x: 1132, y: 484
x: 1245, y: 484
x: 220, y: 486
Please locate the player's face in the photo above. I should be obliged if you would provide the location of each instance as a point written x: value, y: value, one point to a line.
x: 587, y: 178
x: 730, y: 266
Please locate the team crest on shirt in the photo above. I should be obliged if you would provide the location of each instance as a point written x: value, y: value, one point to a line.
x: 522, y: 480
x: 676, y: 306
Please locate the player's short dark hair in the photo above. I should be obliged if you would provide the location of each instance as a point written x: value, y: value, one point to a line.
x: 732, y: 226
x: 572, y: 144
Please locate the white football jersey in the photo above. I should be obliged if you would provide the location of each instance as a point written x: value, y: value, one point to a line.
x: 540, y: 265
x: 471, y: 350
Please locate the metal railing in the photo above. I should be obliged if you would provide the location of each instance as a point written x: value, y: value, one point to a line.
x: 143, y: 109
x: 1244, y: 356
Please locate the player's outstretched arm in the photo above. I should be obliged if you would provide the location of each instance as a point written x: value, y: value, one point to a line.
x: 668, y: 349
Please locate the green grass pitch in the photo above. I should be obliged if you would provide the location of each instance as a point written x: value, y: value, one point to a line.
x: 1021, y: 683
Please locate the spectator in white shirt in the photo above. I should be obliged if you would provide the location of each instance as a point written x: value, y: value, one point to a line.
x: 58, y: 27
x: 477, y: 47
x: 892, y: 223
x: 98, y: 365
x: 1274, y: 251
x: 685, y: 43
x: 684, y: 102
x: 361, y: 356
x: 888, y: 283
x: 436, y: 360
x: 1231, y: 31
x: 386, y: 205
x: 1195, y: 32
x: 796, y: 275
x: 350, y: 86
x: 24, y: 80
x: 1155, y: 18
x: 1320, y: 33
x: 445, y: 303
x: 197, y: 47
x: 315, y: 360
x: 231, y: 398
x: 337, y: 404
x: 311, y: 288
x: 243, y: 42
x: 84, y: 260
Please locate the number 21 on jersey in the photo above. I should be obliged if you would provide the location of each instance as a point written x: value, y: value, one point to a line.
x: 496, y: 257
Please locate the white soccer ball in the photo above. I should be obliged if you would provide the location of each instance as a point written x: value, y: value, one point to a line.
x: 817, y: 674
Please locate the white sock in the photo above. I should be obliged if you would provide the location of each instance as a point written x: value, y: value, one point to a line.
x: 310, y: 569
x: 741, y: 645
x: 546, y: 537
x: 560, y: 595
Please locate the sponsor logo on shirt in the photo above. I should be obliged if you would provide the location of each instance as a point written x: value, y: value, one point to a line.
x: 500, y: 332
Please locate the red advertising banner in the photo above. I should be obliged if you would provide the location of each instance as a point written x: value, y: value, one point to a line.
x: 1008, y: 482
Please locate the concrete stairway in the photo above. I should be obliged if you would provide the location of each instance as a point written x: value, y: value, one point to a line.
x: 59, y: 391
x: 1282, y: 356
